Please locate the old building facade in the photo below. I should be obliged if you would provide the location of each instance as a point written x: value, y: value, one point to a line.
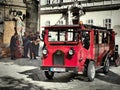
x: 22, y: 14
x: 103, y: 13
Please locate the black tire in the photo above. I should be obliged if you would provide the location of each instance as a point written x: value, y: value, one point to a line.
x: 106, y: 65
x: 91, y: 71
x: 116, y: 56
x: 117, y: 61
x: 49, y: 75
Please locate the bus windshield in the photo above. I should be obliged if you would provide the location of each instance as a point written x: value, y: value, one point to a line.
x: 64, y: 35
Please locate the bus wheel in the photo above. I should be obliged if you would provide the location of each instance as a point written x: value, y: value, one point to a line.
x: 91, y: 71
x: 106, y: 65
x: 49, y: 74
x: 117, y: 61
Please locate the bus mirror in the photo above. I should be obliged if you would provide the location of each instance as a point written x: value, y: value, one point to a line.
x: 43, y: 33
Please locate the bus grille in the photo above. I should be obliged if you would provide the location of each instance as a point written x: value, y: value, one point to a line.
x: 58, y: 58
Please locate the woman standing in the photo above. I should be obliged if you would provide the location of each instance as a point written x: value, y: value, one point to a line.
x: 13, y: 45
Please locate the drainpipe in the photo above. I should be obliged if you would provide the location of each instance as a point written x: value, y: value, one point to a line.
x: 69, y: 16
x: 39, y: 16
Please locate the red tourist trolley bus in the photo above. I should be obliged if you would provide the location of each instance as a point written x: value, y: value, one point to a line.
x: 77, y: 48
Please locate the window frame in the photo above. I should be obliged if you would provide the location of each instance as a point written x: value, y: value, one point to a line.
x: 107, y: 23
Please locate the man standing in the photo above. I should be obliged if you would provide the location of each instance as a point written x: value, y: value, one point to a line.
x: 32, y: 46
x: 26, y: 43
x: 37, y: 38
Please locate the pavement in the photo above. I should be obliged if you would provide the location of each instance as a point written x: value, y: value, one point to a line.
x: 25, y: 74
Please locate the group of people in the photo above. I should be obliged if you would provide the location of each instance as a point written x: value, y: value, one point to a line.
x: 30, y: 45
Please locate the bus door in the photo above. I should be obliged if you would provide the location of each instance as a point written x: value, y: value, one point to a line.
x: 103, y: 46
x: 96, y: 46
x: 85, y: 39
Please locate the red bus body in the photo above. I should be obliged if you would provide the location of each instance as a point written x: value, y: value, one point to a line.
x: 72, y: 56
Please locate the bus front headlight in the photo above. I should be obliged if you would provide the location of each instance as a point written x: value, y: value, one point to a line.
x: 71, y: 52
x: 45, y: 52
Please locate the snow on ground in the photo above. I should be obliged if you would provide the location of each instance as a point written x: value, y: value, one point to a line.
x: 13, y: 70
x: 9, y: 69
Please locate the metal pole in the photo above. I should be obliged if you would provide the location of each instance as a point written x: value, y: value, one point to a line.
x: 39, y: 15
x: 69, y: 16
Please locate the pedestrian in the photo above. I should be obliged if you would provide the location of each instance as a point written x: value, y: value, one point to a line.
x: 18, y: 51
x: 13, y: 45
x: 26, y: 43
x: 32, y: 46
x: 0, y: 51
x: 37, y: 40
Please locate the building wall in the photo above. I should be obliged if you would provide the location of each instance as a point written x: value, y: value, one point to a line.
x: 43, y: 2
x: 98, y: 18
x: 53, y: 18
x: 31, y: 16
x: 12, y: 11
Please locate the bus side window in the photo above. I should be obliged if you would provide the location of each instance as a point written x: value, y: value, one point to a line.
x: 86, y: 39
x: 105, y: 37
x: 100, y: 37
x: 96, y: 37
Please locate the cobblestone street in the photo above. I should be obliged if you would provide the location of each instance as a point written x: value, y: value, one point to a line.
x: 25, y: 74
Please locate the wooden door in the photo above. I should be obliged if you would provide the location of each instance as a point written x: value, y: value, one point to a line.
x: 8, y: 31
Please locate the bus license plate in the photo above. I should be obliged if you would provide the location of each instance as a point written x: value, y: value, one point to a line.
x: 57, y: 69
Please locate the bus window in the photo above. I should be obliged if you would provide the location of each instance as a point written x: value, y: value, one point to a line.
x: 96, y: 37
x: 70, y: 35
x: 64, y: 35
x: 100, y: 37
x: 52, y: 36
x: 105, y: 37
x: 86, y: 39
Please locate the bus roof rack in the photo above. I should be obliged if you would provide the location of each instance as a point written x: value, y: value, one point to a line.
x: 95, y: 27
x: 74, y: 26
x: 109, y: 29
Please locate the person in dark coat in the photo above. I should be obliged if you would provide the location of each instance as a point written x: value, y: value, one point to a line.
x: 32, y: 46
x: 13, y: 45
x: 37, y: 39
x: 26, y: 43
